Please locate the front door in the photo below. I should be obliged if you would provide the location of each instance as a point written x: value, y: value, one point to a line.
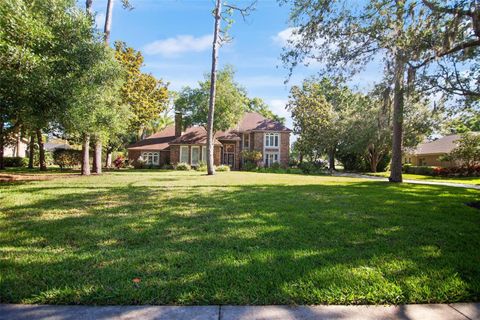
x: 229, y: 155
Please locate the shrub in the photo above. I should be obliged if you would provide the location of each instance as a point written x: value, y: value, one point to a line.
x: 307, y: 167
x: 275, y: 166
x: 312, y: 167
x: 249, y: 166
x: 119, y: 162
x: 67, y: 158
x: 424, y: 170
x: 252, y: 156
x: 168, y: 167
x: 222, y: 167
x: 139, y: 164
x: 15, y: 162
x: 202, y: 166
x: 182, y: 166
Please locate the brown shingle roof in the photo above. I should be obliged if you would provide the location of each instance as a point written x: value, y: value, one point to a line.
x: 253, y: 121
x: 193, y: 135
x: 439, y: 146
x: 157, y: 141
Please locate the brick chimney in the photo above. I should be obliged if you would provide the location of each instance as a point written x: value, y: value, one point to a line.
x: 178, y: 124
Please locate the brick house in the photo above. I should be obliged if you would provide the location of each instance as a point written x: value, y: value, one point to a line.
x: 253, y: 132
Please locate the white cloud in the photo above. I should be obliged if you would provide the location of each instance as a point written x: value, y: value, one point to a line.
x: 179, y: 44
x: 278, y: 107
x: 283, y: 37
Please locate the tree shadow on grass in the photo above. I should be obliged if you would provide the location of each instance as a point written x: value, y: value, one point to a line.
x: 365, y: 242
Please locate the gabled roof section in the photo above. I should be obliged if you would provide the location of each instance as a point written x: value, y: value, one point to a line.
x: 157, y: 141
x: 194, y: 135
x: 253, y: 121
x: 443, y: 145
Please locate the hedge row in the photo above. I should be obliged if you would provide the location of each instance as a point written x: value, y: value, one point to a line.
x: 15, y: 162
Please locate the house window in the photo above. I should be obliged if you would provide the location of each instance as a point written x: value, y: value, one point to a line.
x: 271, y: 158
x: 195, y: 156
x: 204, y: 154
x: 272, y: 140
x: 246, y: 141
x: 184, y: 154
x: 151, y: 158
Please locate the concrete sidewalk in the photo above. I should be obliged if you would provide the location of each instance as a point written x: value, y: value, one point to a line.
x: 426, y: 182
x: 460, y: 311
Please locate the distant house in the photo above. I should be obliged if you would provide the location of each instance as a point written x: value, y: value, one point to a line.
x: 428, y: 153
x: 253, y: 132
x: 17, y: 149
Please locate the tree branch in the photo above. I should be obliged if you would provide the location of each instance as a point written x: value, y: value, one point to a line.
x: 458, y: 47
x: 437, y: 8
x: 243, y: 11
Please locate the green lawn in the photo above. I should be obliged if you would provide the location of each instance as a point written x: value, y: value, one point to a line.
x: 463, y: 180
x: 236, y: 238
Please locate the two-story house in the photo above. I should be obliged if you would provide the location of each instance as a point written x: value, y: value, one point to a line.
x: 253, y: 132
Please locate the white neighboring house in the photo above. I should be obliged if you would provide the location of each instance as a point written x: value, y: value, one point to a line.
x: 17, y: 149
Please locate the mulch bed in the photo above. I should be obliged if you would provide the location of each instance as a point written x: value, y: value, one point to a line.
x: 33, y: 177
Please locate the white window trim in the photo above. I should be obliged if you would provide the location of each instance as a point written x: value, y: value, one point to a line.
x: 244, y: 146
x: 146, y: 156
x: 204, y: 154
x: 272, y: 153
x: 269, y: 147
x: 267, y: 135
x: 181, y: 154
x: 191, y: 155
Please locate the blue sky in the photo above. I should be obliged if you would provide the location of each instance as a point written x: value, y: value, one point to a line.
x: 175, y: 39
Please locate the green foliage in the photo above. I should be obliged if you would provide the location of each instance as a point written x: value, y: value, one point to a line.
x: 145, y: 96
x: 230, y: 103
x: 16, y: 162
x: 259, y: 106
x: 424, y: 170
x: 182, y: 166
x: 464, y: 122
x: 202, y: 166
x: 357, y: 128
x: 222, y: 168
x: 310, y: 167
x: 67, y: 158
x: 251, y: 156
x: 467, y: 151
x: 249, y: 166
x: 139, y: 164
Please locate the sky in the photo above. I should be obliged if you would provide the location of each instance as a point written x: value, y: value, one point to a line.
x: 175, y: 37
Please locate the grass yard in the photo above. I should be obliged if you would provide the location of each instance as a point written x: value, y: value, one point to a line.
x: 408, y: 176
x: 165, y: 237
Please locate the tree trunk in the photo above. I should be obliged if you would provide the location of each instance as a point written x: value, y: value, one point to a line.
x: 374, y: 162
x: 398, y: 101
x: 213, y: 78
x: 18, y: 142
x: 31, y: 151
x: 2, y: 145
x: 108, y: 21
x: 97, y: 156
x: 108, y: 159
x: 41, y: 151
x: 88, y: 5
x: 86, y: 155
x: 331, y: 160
